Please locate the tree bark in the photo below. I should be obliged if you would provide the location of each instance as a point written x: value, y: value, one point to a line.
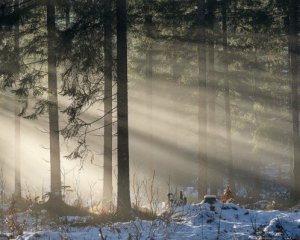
x: 202, y: 103
x: 53, y: 105
x: 123, y: 197
x: 17, y: 192
x: 108, y: 61
x: 294, y: 75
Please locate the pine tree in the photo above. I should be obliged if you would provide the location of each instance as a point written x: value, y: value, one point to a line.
x: 123, y: 198
x: 294, y: 75
x: 17, y: 192
x: 53, y: 105
x: 212, y: 91
x: 202, y: 105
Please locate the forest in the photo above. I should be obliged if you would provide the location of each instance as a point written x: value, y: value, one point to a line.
x: 149, y: 119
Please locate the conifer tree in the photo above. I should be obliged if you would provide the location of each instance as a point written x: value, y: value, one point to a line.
x: 17, y: 192
x: 53, y: 105
x: 202, y: 105
x: 294, y: 75
x: 123, y: 198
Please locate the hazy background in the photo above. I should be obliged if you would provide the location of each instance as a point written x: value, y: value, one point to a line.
x: 164, y: 125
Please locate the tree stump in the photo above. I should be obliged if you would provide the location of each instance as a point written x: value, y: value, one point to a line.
x: 210, y: 199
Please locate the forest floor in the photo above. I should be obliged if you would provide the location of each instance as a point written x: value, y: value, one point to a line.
x: 196, y: 221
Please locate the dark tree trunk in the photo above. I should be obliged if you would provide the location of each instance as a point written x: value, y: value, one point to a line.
x: 202, y: 102
x: 294, y: 74
x: 17, y: 192
x: 53, y: 106
x: 123, y: 197
x: 108, y: 61
x: 227, y: 96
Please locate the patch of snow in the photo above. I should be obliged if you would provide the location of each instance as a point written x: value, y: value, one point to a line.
x: 195, y: 221
x: 287, y: 227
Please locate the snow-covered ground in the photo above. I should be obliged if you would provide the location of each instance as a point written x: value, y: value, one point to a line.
x: 199, y: 221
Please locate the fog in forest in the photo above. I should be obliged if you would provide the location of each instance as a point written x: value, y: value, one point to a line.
x: 165, y: 122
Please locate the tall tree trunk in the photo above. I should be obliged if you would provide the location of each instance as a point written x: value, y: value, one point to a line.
x: 255, y: 165
x: 53, y: 106
x: 213, y: 175
x: 17, y: 192
x: 123, y: 197
x: 294, y: 74
x: 108, y: 61
x: 202, y: 102
x: 174, y: 89
x: 212, y: 121
x: 149, y: 79
x: 227, y: 96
